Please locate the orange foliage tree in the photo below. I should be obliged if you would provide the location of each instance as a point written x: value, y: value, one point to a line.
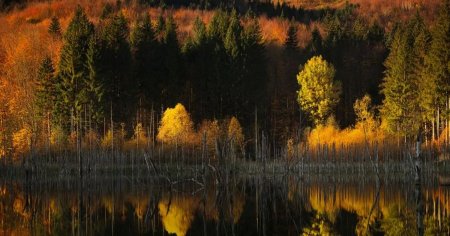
x: 234, y: 133
x: 210, y: 130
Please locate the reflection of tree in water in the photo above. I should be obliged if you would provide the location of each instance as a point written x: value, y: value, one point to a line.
x: 398, y: 220
x: 177, y: 214
x: 224, y: 206
x: 321, y: 225
x: 432, y: 226
x: 285, y: 207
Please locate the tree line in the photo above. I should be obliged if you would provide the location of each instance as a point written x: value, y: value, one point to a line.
x: 120, y: 73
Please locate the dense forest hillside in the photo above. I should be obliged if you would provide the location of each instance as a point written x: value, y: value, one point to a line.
x: 80, y: 67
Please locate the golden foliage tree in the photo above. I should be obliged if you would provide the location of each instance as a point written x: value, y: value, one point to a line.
x: 210, y: 129
x: 319, y: 93
x: 235, y: 132
x: 364, y: 113
x: 176, y: 126
x: 22, y: 140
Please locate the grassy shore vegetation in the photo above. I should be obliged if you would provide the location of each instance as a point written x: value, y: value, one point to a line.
x: 261, y: 81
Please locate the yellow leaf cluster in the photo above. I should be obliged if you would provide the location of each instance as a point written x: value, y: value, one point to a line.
x: 22, y: 140
x: 176, y: 126
x: 107, y: 140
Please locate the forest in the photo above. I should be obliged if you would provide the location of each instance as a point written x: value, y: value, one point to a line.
x: 135, y: 74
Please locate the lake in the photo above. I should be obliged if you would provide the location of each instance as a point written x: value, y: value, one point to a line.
x: 239, y: 205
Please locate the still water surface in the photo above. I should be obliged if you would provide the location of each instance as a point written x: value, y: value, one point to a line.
x: 284, y: 205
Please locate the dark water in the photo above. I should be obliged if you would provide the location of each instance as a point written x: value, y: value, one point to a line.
x: 285, y: 205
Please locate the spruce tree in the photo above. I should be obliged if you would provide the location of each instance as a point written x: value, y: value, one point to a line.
x: 45, y: 89
x: 144, y: 48
x: 315, y: 47
x: 438, y: 59
x: 425, y: 84
x: 199, y: 57
x: 94, y: 83
x: 55, y: 28
x: 401, y: 109
x: 72, y: 70
x: 233, y: 42
x: 172, y: 62
x: 291, y: 43
x: 253, y: 69
x: 116, y: 64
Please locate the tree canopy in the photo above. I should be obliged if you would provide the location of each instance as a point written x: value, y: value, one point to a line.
x: 319, y: 93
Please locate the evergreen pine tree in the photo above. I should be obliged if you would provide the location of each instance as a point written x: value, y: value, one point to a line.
x: 72, y: 70
x: 401, y: 106
x: 160, y: 24
x: 55, y: 28
x: 116, y: 65
x: 253, y: 69
x: 144, y: 49
x: 291, y: 43
x: 94, y: 83
x: 107, y: 11
x: 438, y: 58
x: 172, y: 62
x: 233, y: 36
x: 45, y: 89
x: 316, y: 43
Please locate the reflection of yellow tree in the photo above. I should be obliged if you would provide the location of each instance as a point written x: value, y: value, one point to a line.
x: 398, y: 221
x: 350, y: 199
x: 108, y: 204
x: 177, y: 214
x: 139, y: 204
x: 353, y: 199
x: 19, y: 206
x: 232, y: 209
x: 321, y: 225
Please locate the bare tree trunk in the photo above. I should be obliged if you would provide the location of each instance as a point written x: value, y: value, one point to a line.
x: 438, y: 132
x: 433, y: 136
x: 112, y: 131
x: 256, y: 133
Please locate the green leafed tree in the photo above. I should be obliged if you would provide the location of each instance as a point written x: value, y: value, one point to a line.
x: 318, y: 93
